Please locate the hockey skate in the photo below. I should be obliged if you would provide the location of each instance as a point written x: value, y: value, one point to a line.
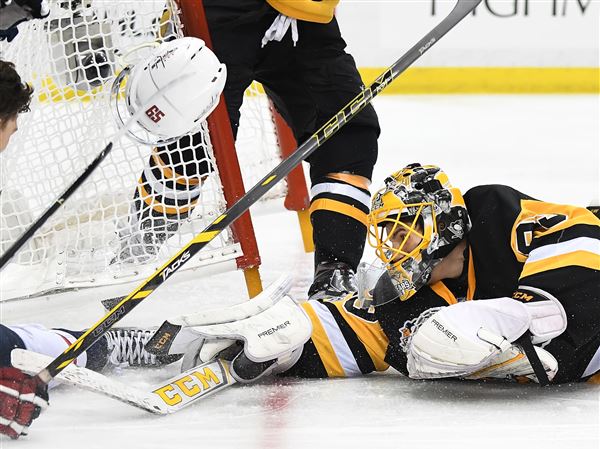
x: 332, y: 280
x: 126, y: 347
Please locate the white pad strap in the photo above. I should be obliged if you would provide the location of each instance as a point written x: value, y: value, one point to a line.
x: 548, y: 317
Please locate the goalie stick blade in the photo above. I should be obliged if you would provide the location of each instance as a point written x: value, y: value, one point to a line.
x: 168, y: 397
x: 32, y: 362
x: 188, y: 387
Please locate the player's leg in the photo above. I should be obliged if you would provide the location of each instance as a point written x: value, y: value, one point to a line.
x: 309, y: 84
x: 119, y: 346
x: 236, y: 30
x: 168, y: 190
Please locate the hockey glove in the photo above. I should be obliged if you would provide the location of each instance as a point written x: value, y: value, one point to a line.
x: 22, y: 398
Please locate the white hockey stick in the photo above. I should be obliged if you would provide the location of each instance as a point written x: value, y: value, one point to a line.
x: 165, y: 398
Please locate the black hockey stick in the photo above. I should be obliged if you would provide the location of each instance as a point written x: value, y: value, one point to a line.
x: 18, y: 244
x: 459, y: 12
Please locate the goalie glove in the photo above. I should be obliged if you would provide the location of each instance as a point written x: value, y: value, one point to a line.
x: 466, y: 338
x: 22, y: 399
x: 263, y: 343
x: 261, y: 336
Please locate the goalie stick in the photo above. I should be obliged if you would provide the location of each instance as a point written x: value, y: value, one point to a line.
x: 175, y: 393
x: 458, y: 13
x: 165, y: 398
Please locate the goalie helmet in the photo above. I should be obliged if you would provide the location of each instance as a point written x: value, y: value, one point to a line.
x: 415, y: 221
x: 176, y: 87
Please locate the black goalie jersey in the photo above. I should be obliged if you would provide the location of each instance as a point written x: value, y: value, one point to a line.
x: 515, y: 241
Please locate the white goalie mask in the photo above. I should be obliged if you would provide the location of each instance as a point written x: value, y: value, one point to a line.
x: 170, y: 93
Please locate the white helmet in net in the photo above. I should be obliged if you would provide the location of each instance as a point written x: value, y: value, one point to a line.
x: 170, y: 93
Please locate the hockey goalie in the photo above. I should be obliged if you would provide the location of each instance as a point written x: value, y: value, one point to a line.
x: 492, y: 284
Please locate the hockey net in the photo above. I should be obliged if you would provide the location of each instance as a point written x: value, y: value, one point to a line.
x: 71, y: 59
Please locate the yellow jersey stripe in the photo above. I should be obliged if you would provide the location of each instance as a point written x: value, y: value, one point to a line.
x: 339, y: 207
x: 441, y: 290
x: 370, y: 334
x: 576, y: 258
x: 471, y: 281
x: 162, y: 208
x: 322, y: 345
x: 533, y: 210
x: 320, y: 11
x: 171, y: 174
x: 354, y: 180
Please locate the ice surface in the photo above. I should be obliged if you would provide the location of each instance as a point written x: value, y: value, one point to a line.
x: 546, y: 146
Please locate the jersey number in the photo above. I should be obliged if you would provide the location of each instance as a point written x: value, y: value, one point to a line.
x: 525, y: 230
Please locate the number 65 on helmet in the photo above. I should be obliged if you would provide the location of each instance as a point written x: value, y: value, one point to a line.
x: 170, y: 93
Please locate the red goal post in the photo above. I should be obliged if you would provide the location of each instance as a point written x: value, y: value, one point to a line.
x: 297, y: 199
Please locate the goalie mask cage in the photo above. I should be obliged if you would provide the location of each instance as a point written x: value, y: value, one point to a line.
x: 97, y: 238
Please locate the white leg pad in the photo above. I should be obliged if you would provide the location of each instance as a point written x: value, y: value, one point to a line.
x: 268, y: 335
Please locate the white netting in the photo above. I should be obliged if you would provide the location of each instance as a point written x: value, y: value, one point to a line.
x: 71, y: 58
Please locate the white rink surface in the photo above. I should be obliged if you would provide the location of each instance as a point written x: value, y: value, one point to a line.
x: 546, y: 146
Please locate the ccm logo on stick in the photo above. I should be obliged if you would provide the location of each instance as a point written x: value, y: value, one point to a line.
x: 188, y: 386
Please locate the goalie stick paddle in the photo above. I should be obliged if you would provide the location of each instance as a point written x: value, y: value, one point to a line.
x: 165, y: 398
x: 458, y: 13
